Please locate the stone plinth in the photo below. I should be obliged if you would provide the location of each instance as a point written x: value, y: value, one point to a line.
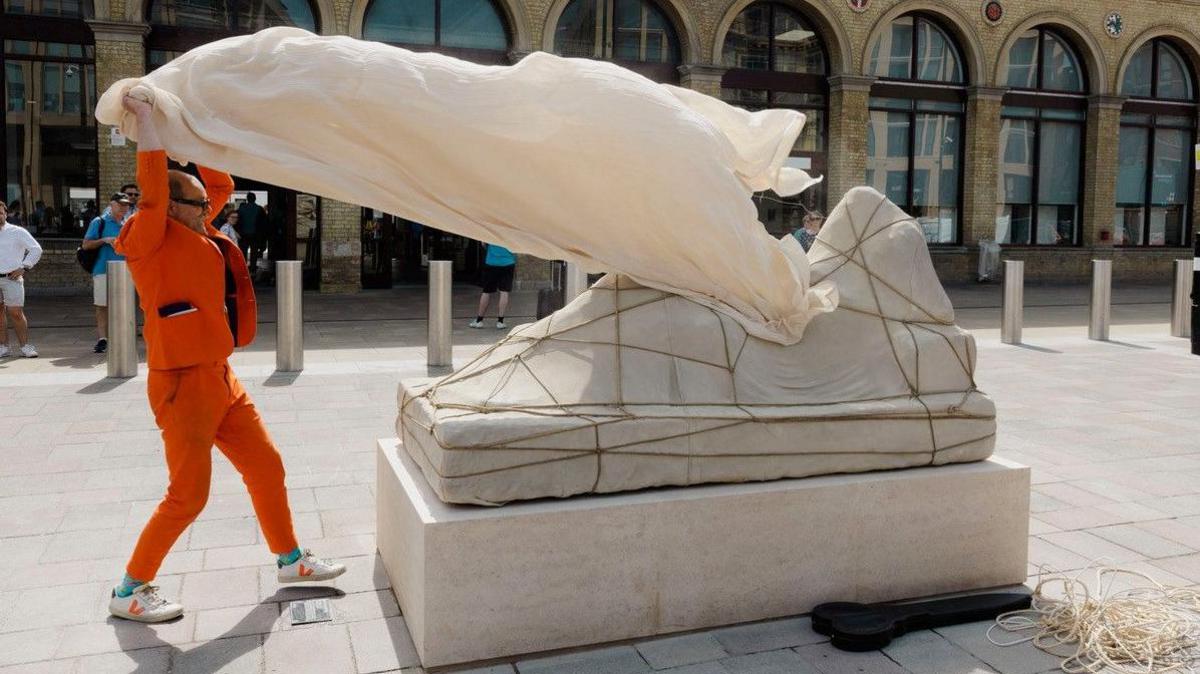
x: 477, y: 583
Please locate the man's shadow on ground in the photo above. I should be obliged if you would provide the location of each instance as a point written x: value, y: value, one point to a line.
x: 140, y: 642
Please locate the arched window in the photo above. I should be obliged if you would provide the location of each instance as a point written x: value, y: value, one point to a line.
x: 636, y: 32
x: 1154, y: 183
x: 1043, y: 118
x: 179, y: 25
x: 473, y: 29
x: 776, y: 59
x: 49, y: 153
x: 915, y: 134
x: 236, y: 16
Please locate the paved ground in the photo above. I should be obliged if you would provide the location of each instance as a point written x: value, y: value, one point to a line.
x: 1110, y: 430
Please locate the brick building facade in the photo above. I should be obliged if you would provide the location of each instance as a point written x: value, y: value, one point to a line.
x: 1102, y: 44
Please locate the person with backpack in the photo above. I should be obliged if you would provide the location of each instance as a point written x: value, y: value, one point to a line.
x: 100, y: 236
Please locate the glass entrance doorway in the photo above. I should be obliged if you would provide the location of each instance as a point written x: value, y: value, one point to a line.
x: 396, y: 251
x: 287, y: 228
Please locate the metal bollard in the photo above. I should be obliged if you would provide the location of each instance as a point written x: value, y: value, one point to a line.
x: 1181, y: 300
x: 576, y: 283
x: 1100, y: 307
x: 122, y: 322
x: 289, y: 317
x: 441, y: 349
x: 1014, y: 302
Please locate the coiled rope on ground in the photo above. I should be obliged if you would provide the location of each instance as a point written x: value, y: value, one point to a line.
x: 1149, y: 628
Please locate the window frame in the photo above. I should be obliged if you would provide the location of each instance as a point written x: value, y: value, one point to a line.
x: 913, y: 67
x: 936, y: 91
x: 1155, y: 107
x: 168, y: 37
x: 482, y: 56
x: 667, y: 72
x: 1039, y: 88
x: 48, y: 29
x: 776, y: 82
x: 1042, y: 99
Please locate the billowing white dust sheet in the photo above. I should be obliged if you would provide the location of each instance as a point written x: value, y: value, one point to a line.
x: 560, y: 158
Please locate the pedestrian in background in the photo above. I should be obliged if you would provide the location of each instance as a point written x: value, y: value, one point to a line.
x: 807, y: 234
x: 19, y: 252
x: 498, y: 268
x: 102, y: 233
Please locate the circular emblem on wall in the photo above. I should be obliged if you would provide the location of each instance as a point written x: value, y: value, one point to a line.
x: 859, y: 5
x: 993, y: 11
x: 1114, y: 25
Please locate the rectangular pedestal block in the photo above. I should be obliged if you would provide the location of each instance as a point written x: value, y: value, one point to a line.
x: 476, y: 583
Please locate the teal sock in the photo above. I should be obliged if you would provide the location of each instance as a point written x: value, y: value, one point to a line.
x: 127, y: 586
x: 289, y: 557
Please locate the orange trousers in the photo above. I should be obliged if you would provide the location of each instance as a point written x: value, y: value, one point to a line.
x: 197, y: 407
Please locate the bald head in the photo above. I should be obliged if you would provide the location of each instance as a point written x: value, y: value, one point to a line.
x: 187, y: 195
x: 184, y: 185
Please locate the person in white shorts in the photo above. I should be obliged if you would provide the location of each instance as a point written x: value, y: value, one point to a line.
x: 102, y: 233
x: 18, y: 253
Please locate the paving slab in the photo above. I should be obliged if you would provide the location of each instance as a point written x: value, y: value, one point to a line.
x: 612, y: 660
x: 688, y: 649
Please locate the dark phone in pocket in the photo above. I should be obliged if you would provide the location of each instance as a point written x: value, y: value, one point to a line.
x: 175, y: 309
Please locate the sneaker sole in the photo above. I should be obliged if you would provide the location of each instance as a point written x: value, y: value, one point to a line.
x: 157, y: 618
x: 315, y: 578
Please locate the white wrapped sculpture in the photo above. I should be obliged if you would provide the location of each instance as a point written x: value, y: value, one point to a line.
x: 708, y: 355
x: 629, y: 387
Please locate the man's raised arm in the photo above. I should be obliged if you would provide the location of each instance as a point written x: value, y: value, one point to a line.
x: 144, y: 233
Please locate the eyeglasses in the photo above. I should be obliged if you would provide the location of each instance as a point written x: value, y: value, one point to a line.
x: 133, y: 195
x: 202, y: 204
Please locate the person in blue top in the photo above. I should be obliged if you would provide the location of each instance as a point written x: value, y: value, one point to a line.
x: 498, y: 268
x: 102, y: 233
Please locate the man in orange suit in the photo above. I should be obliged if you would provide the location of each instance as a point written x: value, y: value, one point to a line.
x: 199, y: 304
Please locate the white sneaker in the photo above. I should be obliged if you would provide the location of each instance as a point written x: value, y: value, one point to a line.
x: 475, y: 324
x: 4, y: 351
x: 500, y: 325
x: 310, y: 569
x: 144, y: 606
x: 28, y: 351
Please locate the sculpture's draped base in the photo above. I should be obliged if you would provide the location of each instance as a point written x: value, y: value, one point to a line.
x: 480, y: 583
x: 630, y: 387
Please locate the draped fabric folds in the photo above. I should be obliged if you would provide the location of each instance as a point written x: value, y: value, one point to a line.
x: 559, y: 158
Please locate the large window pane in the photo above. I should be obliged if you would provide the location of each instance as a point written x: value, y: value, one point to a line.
x: 1139, y: 74
x: 1023, y: 61
x: 797, y: 47
x: 50, y: 141
x: 891, y: 55
x: 1174, y: 80
x: 579, y: 32
x: 1058, y: 182
x: 642, y: 33
x: 935, y: 177
x: 260, y: 14
x: 191, y: 14
x: 79, y: 9
x: 1061, y: 71
x: 1014, y: 216
x: 747, y: 44
x: 1132, y: 153
x: 472, y: 24
x: 938, y: 60
x: 1169, y: 193
x: 887, y: 159
x: 407, y: 22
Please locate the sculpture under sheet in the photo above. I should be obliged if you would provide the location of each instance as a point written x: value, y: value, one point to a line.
x: 560, y: 158
x: 686, y: 364
x: 630, y: 387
